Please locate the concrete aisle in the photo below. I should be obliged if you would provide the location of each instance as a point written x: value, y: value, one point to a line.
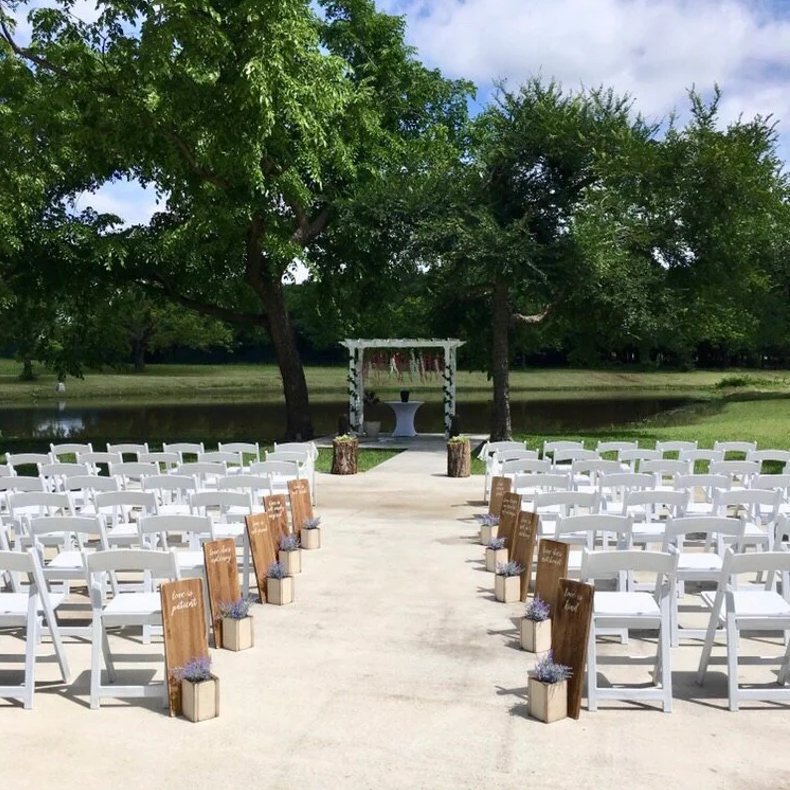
x: 394, y: 668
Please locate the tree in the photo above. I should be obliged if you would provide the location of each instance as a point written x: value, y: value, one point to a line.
x: 501, y: 234
x: 257, y: 125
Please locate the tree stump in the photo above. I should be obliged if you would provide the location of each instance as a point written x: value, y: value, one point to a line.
x: 344, y: 456
x: 459, y: 459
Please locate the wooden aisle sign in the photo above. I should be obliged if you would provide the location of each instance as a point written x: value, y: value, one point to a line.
x: 552, y: 566
x: 508, y: 521
x: 277, y: 507
x: 524, y: 551
x: 184, y: 626
x: 301, y: 507
x: 222, y: 580
x: 570, y: 629
x: 499, y: 487
x: 259, y: 536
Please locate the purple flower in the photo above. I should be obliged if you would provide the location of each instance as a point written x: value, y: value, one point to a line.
x: 235, y: 610
x: 548, y: 671
x: 537, y: 610
x: 195, y: 670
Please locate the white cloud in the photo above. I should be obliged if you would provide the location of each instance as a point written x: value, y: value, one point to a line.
x: 126, y: 199
x: 652, y: 49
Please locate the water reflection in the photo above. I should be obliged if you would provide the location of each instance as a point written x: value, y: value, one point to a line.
x: 241, y: 420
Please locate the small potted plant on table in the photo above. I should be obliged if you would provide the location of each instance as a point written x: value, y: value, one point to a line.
x: 488, y: 527
x: 237, y: 625
x: 507, y: 584
x: 279, y: 585
x: 199, y: 689
x: 290, y: 554
x: 311, y: 533
x: 496, y: 554
x: 536, y: 627
x: 548, y: 690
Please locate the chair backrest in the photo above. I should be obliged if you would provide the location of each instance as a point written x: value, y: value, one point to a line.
x: 164, y: 461
x: 93, y: 459
x: 70, y: 525
x: 772, y: 483
x: 665, y: 470
x: 761, y: 504
x: 620, y: 482
x: 311, y: 447
x: 501, y: 456
x: 633, y: 458
x: 735, y: 469
x: 184, y: 448
x: 691, y: 456
x: 62, y: 470
x: 241, y: 449
x: 301, y: 459
x: 615, y: 447
x: 119, y: 504
x: 218, y: 457
x: 754, y: 562
x: 255, y: 484
x: 6, y: 470
x: 275, y: 468
x: 735, y: 447
x: 596, y: 465
x: 593, y: 524
x: 48, y: 501
x: 521, y: 465
x: 59, y: 450
x: 706, y: 482
x: 569, y: 501
x: 133, y: 470
x: 201, y: 502
x: 129, y: 448
x: 162, y: 526
x: 571, y: 454
x: 600, y: 564
x: 160, y: 564
x: 675, y: 446
x: 653, y: 501
x: 175, y: 483
x: 21, y: 483
x: 489, y: 448
x: 562, y: 444
x: 27, y: 459
x: 542, y: 481
x: 714, y: 526
x: 91, y: 483
x: 779, y: 457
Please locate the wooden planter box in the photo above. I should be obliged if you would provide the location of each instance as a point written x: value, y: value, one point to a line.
x: 200, y: 701
x: 344, y: 457
x: 535, y: 635
x: 280, y: 591
x: 237, y: 634
x: 507, y: 588
x: 291, y: 561
x: 311, y: 538
x: 487, y: 532
x: 459, y: 459
x: 494, y: 557
x: 548, y: 701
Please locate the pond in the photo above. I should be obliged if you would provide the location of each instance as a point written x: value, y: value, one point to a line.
x: 252, y: 420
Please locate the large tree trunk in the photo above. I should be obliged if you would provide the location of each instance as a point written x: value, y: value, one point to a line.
x: 27, y: 369
x: 500, y: 360
x: 299, y: 426
x: 138, y: 351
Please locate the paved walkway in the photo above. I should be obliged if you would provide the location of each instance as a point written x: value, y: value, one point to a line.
x: 394, y: 669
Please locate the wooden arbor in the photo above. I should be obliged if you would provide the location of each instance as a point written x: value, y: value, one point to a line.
x: 356, y: 354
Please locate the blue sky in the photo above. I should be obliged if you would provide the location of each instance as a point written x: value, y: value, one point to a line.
x: 655, y: 50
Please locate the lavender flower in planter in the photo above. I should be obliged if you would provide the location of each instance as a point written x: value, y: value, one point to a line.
x: 276, y: 571
x: 311, y: 523
x: 496, y: 543
x: 289, y: 543
x: 236, y: 610
x: 548, y: 671
x: 537, y: 610
x: 195, y: 670
x: 487, y: 519
x: 509, y: 569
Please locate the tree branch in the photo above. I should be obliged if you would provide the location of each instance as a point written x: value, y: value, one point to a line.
x: 206, y: 173
x: 519, y: 319
x: 306, y: 230
x: 28, y: 54
x: 205, y: 308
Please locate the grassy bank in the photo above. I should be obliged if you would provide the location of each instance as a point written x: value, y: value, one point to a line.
x: 165, y: 383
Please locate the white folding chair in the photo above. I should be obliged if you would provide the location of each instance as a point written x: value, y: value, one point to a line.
x: 702, y: 565
x: 121, y: 509
x: 61, y: 451
x: 650, y: 510
x: 739, y: 472
x: 739, y: 448
x: 700, y: 489
x: 31, y: 609
x: 278, y: 472
x: 128, y: 448
x: 15, y: 460
x: 24, y: 505
x: 95, y: 459
x: 131, y: 473
x: 741, y: 610
x: 631, y: 610
x: 760, y: 507
x: 675, y: 447
x: 593, y: 531
x: 83, y: 488
x: 552, y: 505
x: 207, y: 473
x: 242, y: 449
x: 123, y: 610
x: 612, y: 489
x: 549, y: 448
x: 165, y: 462
x: 486, y: 454
x: 694, y: 457
x: 524, y: 466
x: 56, y: 475
x: 304, y: 463
x: 255, y: 486
x: 184, y: 448
x: 631, y: 460
x: 587, y: 473
x: 615, y: 447
x: 172, y: 492
x: 778, y: 457
x: 665, y: 471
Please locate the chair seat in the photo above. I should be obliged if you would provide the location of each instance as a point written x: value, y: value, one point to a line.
x: 752, y: 603
x: 174, y: 510
x: 699, y: 561
x: 625, y: 604
x: 228, y: 531
x: 575, y: 560
x: 66, y: 561
x: 699, y: 509
x: 133, y: 605
x: 15, y: 604
x: 188, y: 559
